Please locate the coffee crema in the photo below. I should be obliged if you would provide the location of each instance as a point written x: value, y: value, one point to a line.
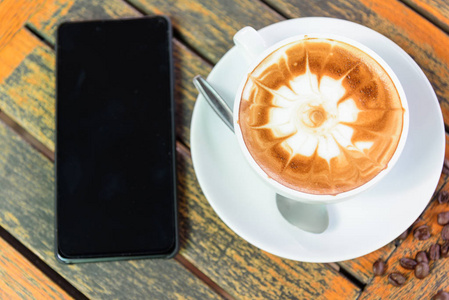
x: 320, y: 116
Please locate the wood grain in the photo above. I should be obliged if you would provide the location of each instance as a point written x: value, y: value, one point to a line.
x: 19, y: 279
x: 362, y: 267
x: 208, y: 26
x: 27, y: 93
x: 13, y: 15
x: 199, y: 244
x: 426, y: 43
x: 15, y: 52
x: 188, y: 64
x: 240, y: 268
x: 436, y: 11
x: 27, y: 212
x: 54, y: 12
x: 184, y: 19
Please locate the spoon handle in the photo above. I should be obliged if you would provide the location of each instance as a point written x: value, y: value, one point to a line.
x: 214, y: 99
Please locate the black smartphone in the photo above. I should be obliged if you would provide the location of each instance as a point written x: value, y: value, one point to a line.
x: 115, y: 141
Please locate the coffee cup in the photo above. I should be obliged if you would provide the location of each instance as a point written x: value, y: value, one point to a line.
x: 319, y: 117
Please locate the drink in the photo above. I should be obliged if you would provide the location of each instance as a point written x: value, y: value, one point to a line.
x: 320, y: 116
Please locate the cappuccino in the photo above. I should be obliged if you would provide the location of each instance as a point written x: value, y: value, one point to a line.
x: 320, y: 116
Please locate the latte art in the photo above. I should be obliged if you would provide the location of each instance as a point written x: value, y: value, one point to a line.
x: 320, y: 116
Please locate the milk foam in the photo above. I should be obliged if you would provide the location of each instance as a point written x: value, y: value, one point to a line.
x: 319, y: 116
x: 295, y: 106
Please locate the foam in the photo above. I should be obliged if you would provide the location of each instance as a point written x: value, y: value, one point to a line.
x: 347, y: 111
x: 320, y: 116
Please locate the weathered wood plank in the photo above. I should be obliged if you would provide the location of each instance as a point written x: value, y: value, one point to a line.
x: 53, y: 13
x: 240, y: 268
x: 435, y: 10
x: 17, y: 50
x: 19, y: 279
x: 27, y: 83
x: 13, y: 15
x: 27, y: 212
x: 425, y: 42
x: 362, y: 267
x: 421, y: 39
x: 209, y: 26
x: 27, y: 92
x: 187, y: 64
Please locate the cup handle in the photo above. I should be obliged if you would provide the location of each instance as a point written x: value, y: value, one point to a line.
x: 250, y: 42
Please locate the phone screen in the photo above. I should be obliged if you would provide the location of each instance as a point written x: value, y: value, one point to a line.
x: 115, y: 152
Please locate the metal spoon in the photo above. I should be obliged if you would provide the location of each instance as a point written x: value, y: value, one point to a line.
x: 308, y: 217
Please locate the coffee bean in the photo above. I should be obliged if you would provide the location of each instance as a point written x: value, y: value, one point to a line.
x: 445, y: 250
x: 408, y: 263
x: 443, y: 197
x: 441, y: 295
x: 421, y: 256
x: 403, y: 235
x: 445, y: 233
x: 446, y: 167
x: 396, y: 279
x: 417, y: 221
x: 434, y: 252
x: 379, y: 267
x: 443, y: 218
x: 421, y: 270
x: 422, y: 232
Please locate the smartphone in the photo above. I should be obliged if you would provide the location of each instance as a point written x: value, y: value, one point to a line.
x: 115, y: 141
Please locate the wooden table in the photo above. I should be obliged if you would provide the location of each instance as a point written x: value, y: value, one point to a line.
x: 213, y: 261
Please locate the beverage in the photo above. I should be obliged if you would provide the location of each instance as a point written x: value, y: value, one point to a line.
x: 320, y: 116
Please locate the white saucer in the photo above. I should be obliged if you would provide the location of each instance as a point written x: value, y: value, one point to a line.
x: 358, y: 226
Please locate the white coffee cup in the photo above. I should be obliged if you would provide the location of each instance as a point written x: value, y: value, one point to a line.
x: 252, y: 45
